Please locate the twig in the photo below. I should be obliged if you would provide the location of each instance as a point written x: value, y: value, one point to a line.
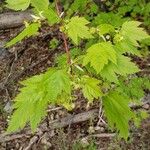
x: 54, y: 109
x: 100, y: 115
x: 11, y: 70
x: 32, y: 142
x: 103, y: 135
x: 67, y: 49
x: 63, y: 35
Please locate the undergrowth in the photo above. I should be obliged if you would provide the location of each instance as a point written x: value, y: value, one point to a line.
x: 99, y: 39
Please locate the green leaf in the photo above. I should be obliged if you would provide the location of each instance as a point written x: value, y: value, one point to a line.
x: 109, y: 73
x: 123, y: 67
x: 109, y: 18
x: 30, y: 103
x: 55, y: 81
x: 77, y: 29
x: 90, y: 88
x: 146, y: 41
x: 18, y: 4
x: 118, y: 113
x: 98, y: 55
x: 51, y: 16
x: 40, y: 5
x: 37, y: 93
x: 141, y: 114
x: 134, y: 88
x: 131, y: 31
x: 78, y: 5
x: 62, y: 58
x: 58, y: 83
x: 105, y: 28
x: 30, y: 30
x: 47, y: 11
x: 125, y: 46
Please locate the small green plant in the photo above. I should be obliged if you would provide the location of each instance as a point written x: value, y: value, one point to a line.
x: 53, y: 43
x: 102, y: 44
x: 135, y: 8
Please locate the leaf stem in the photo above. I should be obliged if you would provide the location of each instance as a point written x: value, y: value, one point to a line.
x: 57, y: 3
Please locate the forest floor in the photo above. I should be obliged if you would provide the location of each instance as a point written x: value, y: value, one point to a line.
x: 33, y: 56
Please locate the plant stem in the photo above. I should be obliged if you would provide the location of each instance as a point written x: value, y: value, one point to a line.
x: 63, y: 35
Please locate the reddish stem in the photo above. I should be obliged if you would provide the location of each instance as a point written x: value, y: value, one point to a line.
x: 63, y: 35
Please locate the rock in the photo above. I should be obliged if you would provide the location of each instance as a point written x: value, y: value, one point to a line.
x: 14, y: 19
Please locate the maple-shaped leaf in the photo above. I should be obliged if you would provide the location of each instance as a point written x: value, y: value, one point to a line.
x: 118, y: 113
x: 58, y: 83
x: 35, y: 95
x: 30, y: 30
x: 90, y: 88
x: 30, y: 104
x: 55, y: 82
x: 77, y: 29
x: 123, y: 67
x: 109, y: 18
x: 98, y: 55
x: 131, y: 31
x: 31, y: 112
x: 18, y: 4
x: 125, y: 46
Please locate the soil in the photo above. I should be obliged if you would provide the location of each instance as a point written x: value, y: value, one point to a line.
x: 33, y: 56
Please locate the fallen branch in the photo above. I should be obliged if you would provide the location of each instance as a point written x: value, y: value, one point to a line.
x: 72, y: 119
x: 14, y: 19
